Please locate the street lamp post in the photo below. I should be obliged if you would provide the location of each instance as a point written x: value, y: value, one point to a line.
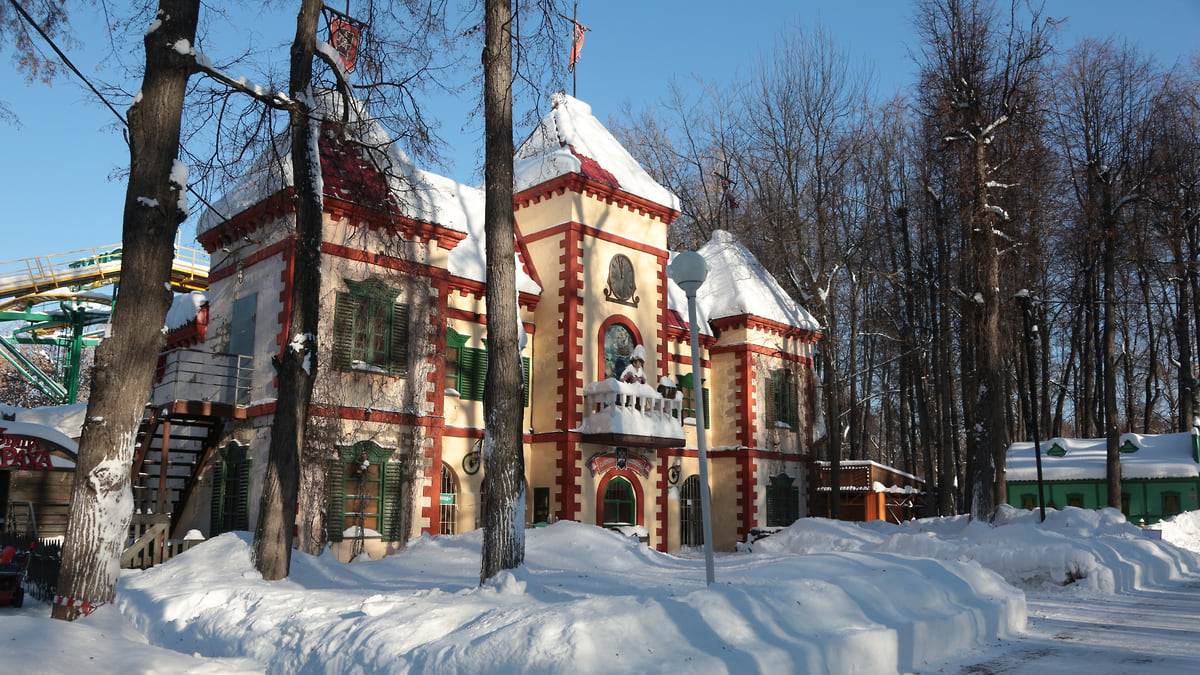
x: 689, y: 271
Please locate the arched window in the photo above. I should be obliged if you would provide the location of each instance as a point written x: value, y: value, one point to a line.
x: 619, y: 342
x: 620, y: 503
x: 691, y: 525
x: 449, y: 502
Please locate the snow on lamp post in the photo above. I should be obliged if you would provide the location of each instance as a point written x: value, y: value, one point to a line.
x: 689, y: 271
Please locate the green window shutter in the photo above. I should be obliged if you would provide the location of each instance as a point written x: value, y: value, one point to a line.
x: 466, y: 373
x: 790, y: 412
x: 335, y: 503
x: 707, y: 410
x: 454, y: 350
x: 216, y: 512
x: 393, y: 503
x: 473, y: 368
x: 398, y: 351
x: 525, y: 379
x: 772, y: 398
x: 343, y: 329
x: 241, y: 496
x: 773, y: 517
x: 783, y: 501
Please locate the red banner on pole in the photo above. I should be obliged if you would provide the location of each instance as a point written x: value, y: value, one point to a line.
x: 576, y: 45
x: 344, y: 37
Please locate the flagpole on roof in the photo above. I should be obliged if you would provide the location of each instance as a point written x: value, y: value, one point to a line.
x: 577, y: 30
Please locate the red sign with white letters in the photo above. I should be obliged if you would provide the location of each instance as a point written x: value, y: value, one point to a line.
x: 23, y: 452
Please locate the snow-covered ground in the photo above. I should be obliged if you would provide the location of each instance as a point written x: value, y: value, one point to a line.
x: 1085, y: 592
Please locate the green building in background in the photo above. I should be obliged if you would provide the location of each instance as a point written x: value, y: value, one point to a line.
x: 1160, y: 474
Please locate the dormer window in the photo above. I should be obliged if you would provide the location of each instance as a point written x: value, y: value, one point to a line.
x: 1129, y: 447
x: 1056, y: 451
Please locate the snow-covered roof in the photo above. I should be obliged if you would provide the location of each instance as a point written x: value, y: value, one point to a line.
x: 415, y: 193
x: 570, y: 140
x: 677, y: 301
x: 66, y: 419
x: 738, y: 284
x: 863, y: 463
x: 1157, y: 456
x: 469, y: 259
x: 184, y: 308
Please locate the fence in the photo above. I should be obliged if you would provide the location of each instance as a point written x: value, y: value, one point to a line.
x: 149, y: 545
x: 41, y: 576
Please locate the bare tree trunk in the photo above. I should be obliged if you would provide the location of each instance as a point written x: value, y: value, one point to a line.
x: 1112, y: 432
x: 833, y: 427
x: 155, y: 205
x: 948, y: 467
x: 1183, y: 338
x: 504, y: 456
x: 297, y: 366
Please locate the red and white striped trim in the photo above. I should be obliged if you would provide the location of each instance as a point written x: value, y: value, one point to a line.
x: 85, y: 607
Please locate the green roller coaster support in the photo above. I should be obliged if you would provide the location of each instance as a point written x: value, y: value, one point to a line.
x: 75, y: 320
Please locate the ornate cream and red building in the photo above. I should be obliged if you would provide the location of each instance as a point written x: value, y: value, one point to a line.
x: 397, y: 415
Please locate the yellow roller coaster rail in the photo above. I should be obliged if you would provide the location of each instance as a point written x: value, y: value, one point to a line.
x: 91, y: 267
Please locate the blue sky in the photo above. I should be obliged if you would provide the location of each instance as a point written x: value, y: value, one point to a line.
x: 60, y: 158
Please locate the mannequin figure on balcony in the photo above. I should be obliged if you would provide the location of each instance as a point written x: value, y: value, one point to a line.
x: 634, y: 373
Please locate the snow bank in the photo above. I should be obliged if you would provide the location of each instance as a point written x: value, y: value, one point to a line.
x: 820, y: 596
x: 588, y: 600
x: 1090, y: 551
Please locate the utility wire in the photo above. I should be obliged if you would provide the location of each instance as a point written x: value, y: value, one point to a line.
x: 66, y: 60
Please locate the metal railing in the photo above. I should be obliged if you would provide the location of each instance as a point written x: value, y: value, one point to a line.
x: 196, y: 375
x: 85, y: 267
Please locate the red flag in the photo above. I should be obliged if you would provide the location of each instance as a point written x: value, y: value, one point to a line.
x: 576, y: 45
x: 344, y: 35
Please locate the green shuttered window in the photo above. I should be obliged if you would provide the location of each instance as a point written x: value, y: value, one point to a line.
x: 781, y: 399
x: 365, y: 489
x: 230, y: 505
x: 466, y: 369
x: 370, y: 329
x: 687, y: 388
x: 783, y: 501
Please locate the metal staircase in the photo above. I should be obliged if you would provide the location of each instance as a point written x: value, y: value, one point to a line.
x: 174, y: 444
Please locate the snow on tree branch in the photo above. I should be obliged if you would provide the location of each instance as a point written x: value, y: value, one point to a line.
x: 992, y: 208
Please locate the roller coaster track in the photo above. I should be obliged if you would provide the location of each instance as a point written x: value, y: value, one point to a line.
x: 66, y: 277
x: 87, y: 268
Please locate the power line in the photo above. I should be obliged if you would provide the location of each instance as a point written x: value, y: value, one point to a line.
x: 65, y: 59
